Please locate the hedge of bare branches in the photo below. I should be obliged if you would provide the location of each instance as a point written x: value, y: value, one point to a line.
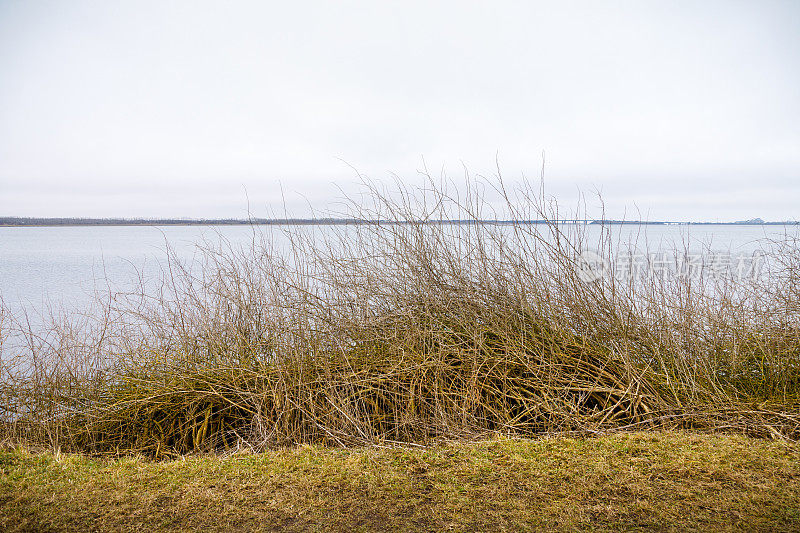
x: 423, y: 322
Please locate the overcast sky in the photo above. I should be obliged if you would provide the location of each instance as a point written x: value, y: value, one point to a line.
x: 684, y: 110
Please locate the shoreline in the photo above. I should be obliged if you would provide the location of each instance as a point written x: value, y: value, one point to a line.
x: 47, y: 223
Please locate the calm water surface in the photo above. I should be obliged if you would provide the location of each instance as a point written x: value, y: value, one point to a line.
x: 64, y: 266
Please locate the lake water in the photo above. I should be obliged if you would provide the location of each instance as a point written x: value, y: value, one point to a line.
x: 63, y: 266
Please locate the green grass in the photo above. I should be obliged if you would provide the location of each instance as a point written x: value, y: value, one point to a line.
x: 659, y: 480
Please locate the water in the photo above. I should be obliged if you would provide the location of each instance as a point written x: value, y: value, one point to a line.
x: 63, y: 266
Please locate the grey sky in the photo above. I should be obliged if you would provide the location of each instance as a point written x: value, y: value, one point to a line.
x: 686, y: 110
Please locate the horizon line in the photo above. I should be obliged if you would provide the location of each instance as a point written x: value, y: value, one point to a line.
x: 15, y: 221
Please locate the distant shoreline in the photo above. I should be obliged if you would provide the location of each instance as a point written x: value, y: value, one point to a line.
x: 55, y: 222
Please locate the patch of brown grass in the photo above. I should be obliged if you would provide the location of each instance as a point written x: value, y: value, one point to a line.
x: 657, y: 480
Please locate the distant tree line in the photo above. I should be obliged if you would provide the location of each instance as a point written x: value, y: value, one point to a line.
x: 78, y: 221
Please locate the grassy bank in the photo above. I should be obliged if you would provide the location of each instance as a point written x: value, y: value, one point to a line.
x: 667, y: 481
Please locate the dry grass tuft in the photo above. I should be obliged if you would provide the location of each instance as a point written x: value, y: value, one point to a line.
x: 407, y: 330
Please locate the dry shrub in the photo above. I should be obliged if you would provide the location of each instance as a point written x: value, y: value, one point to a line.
x: 419, y: 321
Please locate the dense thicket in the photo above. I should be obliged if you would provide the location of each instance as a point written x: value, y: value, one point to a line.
x: 407, y: 332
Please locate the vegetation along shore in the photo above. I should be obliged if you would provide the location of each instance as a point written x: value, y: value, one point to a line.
x: 422, y: 366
